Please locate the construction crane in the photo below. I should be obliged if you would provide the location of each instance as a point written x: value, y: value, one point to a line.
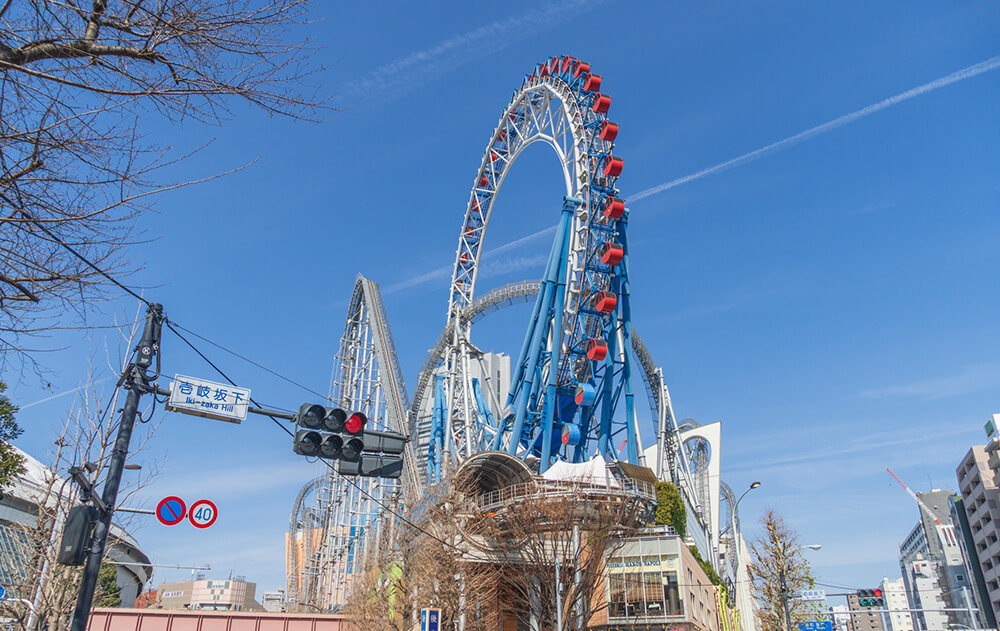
x: 945, y: 532
x: 915, y: 498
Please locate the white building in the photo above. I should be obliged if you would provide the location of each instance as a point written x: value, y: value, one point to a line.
x: 980, y: 505
x: 492, y: 374
x: 933, y: 566
x: 841, y: 615
x: 273, y: 601
x: 894, y: 594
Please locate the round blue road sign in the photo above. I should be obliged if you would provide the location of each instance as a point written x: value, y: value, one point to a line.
x: 171, y: 510
x: 3, y: 592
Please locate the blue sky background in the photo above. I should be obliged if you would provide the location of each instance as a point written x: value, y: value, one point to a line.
x: 832, y: 300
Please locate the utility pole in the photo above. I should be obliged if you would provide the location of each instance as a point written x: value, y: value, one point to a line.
x: 134, y: 380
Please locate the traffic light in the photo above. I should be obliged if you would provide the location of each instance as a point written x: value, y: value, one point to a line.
x: 333, y: 434
x: 344, y: 440
x: 870, y: 598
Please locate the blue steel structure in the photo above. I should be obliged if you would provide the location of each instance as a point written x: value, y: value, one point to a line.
x: 571, y: 392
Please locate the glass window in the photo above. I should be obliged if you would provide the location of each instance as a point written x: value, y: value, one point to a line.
x: 616, y: 595
x: 672, y: 594
x: 653, y: 593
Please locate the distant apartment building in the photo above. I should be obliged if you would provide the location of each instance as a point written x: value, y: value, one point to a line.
x: 978, y: 515
x: 894, y: 595
x: 273, y: 601
x: 841, y: 617
x: 863, y: 618
x: 234, y: 594
x: 933, y: 566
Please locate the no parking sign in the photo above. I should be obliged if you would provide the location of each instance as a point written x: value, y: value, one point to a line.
x: 170, y: 511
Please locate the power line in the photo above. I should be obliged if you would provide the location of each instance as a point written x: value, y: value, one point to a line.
x: 84, y: 259
x: 131, y: 292
x: 250, y: 361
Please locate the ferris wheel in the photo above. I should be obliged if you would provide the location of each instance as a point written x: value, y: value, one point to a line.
x: 571, y: 388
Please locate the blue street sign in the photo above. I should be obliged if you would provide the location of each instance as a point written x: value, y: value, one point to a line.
x: 816, y: 625
x: 3, y: 592
x: 430, y: 620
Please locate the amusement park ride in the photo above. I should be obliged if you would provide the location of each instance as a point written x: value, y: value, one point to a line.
x: 571, y: 393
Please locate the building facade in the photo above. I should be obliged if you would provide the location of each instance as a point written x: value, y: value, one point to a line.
x: 273, y: 601
x: 840, y: 616
x: 894, y: 595
x: 863, y: 618
x: 977, y: 514
x: 654, y: 583
x: 934, y: 568
x: 234, y: 594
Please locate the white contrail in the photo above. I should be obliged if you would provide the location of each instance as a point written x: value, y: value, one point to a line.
x: 955, y: 77
x: 412, y: 71
x: 445, y: 272
x: 61, y: 394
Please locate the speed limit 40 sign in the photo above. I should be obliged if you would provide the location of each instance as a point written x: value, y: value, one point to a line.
x: 202, y: 514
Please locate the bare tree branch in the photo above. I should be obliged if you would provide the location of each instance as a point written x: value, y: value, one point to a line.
x: 75, y: 82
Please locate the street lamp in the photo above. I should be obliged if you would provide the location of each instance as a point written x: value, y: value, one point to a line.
x: 734, y: 520
x: 784, y: 586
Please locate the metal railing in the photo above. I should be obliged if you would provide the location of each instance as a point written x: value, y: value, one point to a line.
x: 548, y: 489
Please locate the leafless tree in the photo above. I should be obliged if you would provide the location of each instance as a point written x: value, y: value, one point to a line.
x: 579, y: 525
x: 77, y: 81
x: 425, y: 563
x: 88, y: 435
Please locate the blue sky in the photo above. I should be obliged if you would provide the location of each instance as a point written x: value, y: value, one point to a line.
x: 813, y: 260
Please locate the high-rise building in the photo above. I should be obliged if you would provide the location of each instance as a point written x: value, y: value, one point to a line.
x: 933, y: 566
x: 492, y: 374
x: 894, y: 595
x: 977, y: 514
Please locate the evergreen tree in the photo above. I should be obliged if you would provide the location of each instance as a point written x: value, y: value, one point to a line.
x: 670, y: 509
x: 11, y: 462
x: 108, y: 593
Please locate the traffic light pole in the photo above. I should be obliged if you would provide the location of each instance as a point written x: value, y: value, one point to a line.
x: 136, y: 383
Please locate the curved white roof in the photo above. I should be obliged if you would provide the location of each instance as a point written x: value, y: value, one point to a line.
x: 30, y: 488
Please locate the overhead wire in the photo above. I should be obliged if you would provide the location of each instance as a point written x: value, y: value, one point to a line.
x: 146, y: 302
x: 250, y: 361
x: 84, y: 259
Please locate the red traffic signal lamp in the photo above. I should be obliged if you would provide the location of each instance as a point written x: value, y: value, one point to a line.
x: 356, y: 423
